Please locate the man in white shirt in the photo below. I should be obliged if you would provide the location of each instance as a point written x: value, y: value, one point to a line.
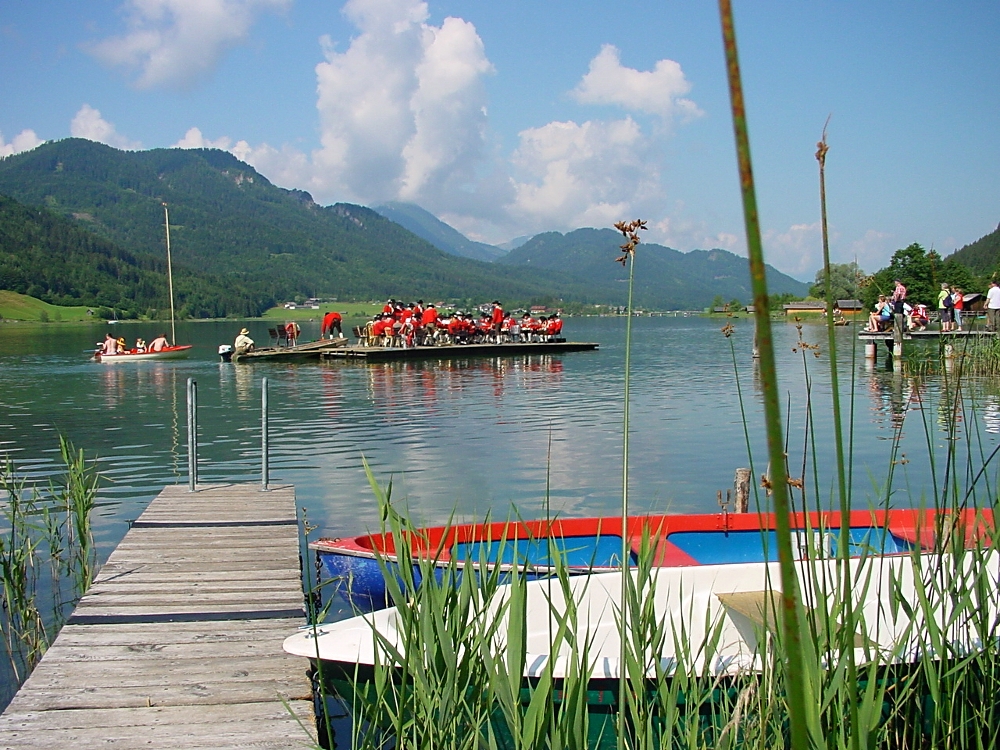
x: 993, y: 306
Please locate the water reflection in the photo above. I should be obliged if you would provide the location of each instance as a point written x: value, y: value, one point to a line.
x: 465, y: 435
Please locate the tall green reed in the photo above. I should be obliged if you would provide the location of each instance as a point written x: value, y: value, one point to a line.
x: 47, y: 540
x: 801, y: 699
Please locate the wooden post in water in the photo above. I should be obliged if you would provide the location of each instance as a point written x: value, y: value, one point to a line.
x: 897, y: 335
x: 742, y: 485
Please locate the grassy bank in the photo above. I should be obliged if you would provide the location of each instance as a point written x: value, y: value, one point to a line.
x: 19, y: 307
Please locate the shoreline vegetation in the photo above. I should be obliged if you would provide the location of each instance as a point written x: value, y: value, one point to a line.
x: 47, y: 555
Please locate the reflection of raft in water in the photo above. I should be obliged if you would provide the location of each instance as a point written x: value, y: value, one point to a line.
x: 454, y: 351
x: 311, y: 350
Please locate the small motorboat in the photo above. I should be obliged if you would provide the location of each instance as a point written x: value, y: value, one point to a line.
x: 356, y: 566
x: 134, y: 355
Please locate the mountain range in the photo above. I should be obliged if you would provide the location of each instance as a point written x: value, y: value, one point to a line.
x: 253, y: 244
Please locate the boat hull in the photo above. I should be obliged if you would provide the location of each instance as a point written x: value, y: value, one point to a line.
x: 356, y: 567
x: 171, y: 352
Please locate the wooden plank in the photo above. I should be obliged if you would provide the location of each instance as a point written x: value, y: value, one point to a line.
x: 208, y: 681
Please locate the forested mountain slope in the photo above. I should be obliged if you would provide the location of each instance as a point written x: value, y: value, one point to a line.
x: 48, y: 256
x: 664, y: 277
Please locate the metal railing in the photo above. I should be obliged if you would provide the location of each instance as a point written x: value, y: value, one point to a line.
x: 192, y: 429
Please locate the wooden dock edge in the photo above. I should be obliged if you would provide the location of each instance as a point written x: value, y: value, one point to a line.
x: 177, y: 644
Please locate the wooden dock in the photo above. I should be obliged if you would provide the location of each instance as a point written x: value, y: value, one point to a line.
x: 926, y: 335
x: 177, y: 644
x: 453, y: 351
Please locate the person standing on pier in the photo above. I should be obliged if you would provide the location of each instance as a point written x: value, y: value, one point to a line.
x: 945, y: 307
x: 993, y: 306
x: 331, y: 322
x: 958, y: 300
x: 898, y: 296
x: 292, y: 331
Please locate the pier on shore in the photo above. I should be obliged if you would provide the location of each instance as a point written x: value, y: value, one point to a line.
x: 177, y: 644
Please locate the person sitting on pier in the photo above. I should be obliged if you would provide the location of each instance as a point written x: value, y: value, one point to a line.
x: 918, y: 318
x: 159, y: 343
x: 879, y: 318
x: 243, y: 343
x: 554, y: 327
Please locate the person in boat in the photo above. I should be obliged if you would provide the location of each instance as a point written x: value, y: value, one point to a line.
x: 159, y: 343
x: 140, y: 345
x: 292, y: 331
x: 110, y: 345
x: 331, y: 322
x: 243, y: 343
x: 120, y: 345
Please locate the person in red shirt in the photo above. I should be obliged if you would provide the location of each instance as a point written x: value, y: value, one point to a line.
x: 331, y: 323
x: 292, y: 331
x: 496, y: 319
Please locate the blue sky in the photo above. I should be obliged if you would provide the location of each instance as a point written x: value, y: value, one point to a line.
x: 509, y: 118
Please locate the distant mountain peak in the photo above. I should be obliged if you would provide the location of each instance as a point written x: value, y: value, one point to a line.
x: 444, y: 237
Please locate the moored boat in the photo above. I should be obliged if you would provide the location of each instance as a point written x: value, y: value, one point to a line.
x: 357, y: 565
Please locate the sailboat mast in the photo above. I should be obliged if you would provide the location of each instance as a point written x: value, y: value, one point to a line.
x: 170, y: 278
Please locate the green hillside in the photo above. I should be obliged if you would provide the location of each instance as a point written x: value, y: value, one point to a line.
x: 49, y: 257
x: 241, y: 245
x: 981, y: 256
x: 228, y: 219
x: 14, y: 306
x: 665, y: 278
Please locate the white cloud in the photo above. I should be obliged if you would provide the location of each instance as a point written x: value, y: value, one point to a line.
x: 176, y: 42
x: 872, y: 251
x: 88, y: 123
x: 23, y: 141
x: 798, y: 250
x: 402, y: 110
x: 403, y: 116
x: 592, y: 174
x: 659, y: 91
x: 681, y: 233
x: 194, y: 139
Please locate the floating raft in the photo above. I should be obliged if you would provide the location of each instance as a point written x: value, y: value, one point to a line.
x: 381, y: 353
x: 311, y: 350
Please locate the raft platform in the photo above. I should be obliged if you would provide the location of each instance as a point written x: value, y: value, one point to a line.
x: 453, y: 351
x: 310, y: 350
x: 177, y: 644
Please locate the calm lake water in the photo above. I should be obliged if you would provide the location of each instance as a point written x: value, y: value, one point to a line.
x: 468, y: 436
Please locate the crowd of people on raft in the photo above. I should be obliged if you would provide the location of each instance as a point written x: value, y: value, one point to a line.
x: 950, y: 304
x: 416, y: 324
x: 112, y: 345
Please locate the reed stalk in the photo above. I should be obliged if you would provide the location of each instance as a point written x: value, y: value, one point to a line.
x: 800, y: 697
x: 44, y: 530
